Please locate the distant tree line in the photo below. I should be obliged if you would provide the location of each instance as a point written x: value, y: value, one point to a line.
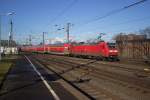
x: 141, y: 34
x: 146, y: 32
x: 134, y: 45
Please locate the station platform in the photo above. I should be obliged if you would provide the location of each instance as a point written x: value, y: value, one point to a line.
x: 24, y: 83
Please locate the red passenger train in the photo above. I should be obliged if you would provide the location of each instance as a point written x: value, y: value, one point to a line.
x: 101, y: 50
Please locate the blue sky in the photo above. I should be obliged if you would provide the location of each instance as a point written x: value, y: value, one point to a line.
x: 37, y: 16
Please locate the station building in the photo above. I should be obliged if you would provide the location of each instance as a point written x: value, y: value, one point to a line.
x: 8, y: 47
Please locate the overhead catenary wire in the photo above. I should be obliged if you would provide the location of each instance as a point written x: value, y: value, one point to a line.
x: 98, y: 18
x: 114, y: 12
x: 126, y: 22
x: 64, y: 10
x: 67, y: 8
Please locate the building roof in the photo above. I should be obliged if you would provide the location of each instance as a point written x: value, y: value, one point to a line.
x: 5, y: 43
x: 130, y: 37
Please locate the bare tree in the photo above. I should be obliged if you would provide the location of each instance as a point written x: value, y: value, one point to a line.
x: 118, y: 37
x: 146, y: 32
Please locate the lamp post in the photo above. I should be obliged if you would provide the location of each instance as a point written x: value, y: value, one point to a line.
x: 0, y: 38
x: 7, y: 14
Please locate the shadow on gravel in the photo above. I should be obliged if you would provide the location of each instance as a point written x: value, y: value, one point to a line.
x: 78, y: 66
x: 50, y: 77
x: 80, y: 81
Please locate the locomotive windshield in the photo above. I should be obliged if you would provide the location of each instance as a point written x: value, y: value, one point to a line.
x: 111, y: 45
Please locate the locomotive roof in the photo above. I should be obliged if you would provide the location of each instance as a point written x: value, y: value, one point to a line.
x: 83, y: 43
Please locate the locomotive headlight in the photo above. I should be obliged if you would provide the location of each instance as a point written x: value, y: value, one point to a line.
x: 66, y: 48
x: 110, y: 50
x: 113, y: 51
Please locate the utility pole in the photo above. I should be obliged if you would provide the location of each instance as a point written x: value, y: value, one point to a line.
x: 26, y: 41
x: 44, y: 40
x: 30, y: 40
x: 68, y: 30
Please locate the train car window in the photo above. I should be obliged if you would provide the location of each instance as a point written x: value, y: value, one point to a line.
x: 111, y: 45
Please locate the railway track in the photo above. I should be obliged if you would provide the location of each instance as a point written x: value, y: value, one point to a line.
x: 137, y: 71
x: 115, y: 64
x: 77, y: 71
x: 86, y: 87
x: 98, y: 71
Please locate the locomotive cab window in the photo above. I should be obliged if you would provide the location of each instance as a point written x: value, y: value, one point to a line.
x: 111, y: 45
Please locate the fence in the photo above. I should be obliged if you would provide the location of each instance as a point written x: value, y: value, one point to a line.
x: 137, y: 49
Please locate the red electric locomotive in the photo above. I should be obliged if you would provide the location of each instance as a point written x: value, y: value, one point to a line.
x: 101, y: 50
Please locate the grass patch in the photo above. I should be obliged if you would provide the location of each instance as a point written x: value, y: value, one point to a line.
x: 5, y: 64
x: 4, y: 67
